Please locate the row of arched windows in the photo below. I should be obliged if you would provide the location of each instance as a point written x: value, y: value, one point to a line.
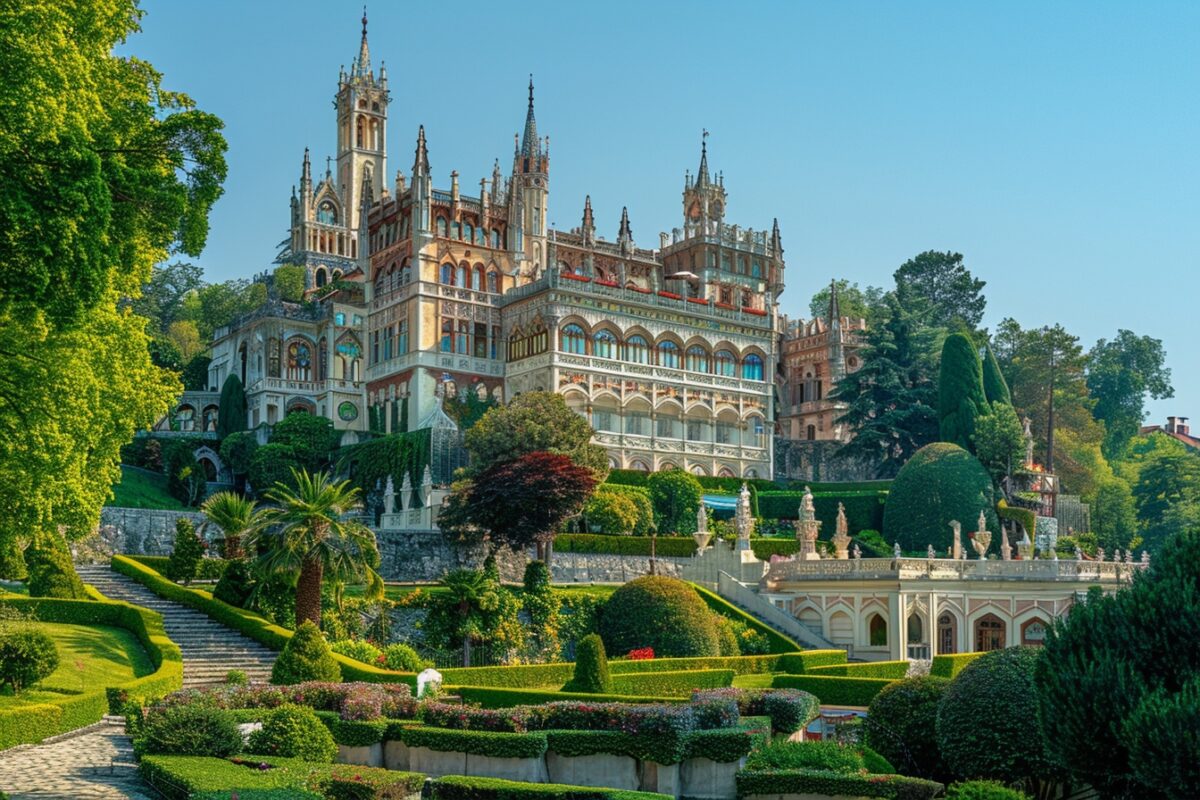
x: 466, y: 232
x: 469, y: 277
x: 665, y: 353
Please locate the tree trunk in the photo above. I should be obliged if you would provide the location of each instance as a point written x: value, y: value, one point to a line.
x: 549, y: 552
x: 466, y: 650
x: 308, y: 593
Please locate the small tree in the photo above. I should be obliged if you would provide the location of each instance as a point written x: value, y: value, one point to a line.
x: 305, y: 657
x: 591, y: 668
x: 900, y: 725
x: 235, y: 516
x: 961, y: 399
x: 27, y: 655
x: 231, y: 411
x: 185, y: 556
x: 999, y: 440
x: 237, y: 450
x: 533, y: 422
x: 471, y: 595
x: 50, y: 571
x: 676, y: 496
x: 610, y: 513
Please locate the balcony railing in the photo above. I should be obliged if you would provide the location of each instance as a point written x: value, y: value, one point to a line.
x: 947, y: 569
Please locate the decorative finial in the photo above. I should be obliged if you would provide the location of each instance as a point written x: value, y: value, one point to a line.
x: 364, y: 21
x: 531, y: 90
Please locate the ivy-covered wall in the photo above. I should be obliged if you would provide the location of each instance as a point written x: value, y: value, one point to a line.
x: 395, y: 454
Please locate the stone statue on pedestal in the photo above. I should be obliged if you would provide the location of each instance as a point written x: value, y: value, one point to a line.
x: 930, y: 553
x: 982, y: 538
x: 1005, y: 547
x: 406, y: 490
x: 807, y: 529
x: 389, y: 496
x: 957, y: 548
x: 841, y: 539
x: 426, y: 487
x: 743, y: 520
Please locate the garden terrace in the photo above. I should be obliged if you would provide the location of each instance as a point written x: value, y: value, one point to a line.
x: 948, y: 569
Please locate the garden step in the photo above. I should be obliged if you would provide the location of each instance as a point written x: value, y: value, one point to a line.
x: 210, y: 650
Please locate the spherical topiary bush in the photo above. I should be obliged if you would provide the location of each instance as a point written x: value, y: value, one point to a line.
x: 293, y: 732
x: 591, y: 667
x: 402, y: 658
x: 306, y: 657
x: 901, y: 725
x: 189, y: 730
x: 27, y: 655
x: 940, y: 483
x: 987, y: 719
x: 983, y: 790
x: 659, y: 612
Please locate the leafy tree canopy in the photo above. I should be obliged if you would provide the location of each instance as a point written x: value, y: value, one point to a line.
x: 162, y: 297
x: 289, y: 282
x: 1121, y: 374
x: 960, y: 391
x: 949, y: 288
x: 999, y: 440
x: 853, y: 302
x: 532, y: 422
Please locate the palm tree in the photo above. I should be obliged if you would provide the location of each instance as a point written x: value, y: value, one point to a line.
x: 308, y: 533
x: 235, y: 516
x: 472, y: 593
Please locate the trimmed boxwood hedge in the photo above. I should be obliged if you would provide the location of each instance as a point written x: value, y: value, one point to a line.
x: 725, y: 744
x: 661, y: 748
x: 191, y: 777
x: 247, y: 622
x: 834, y: 690
x: 671, y: 684
x: 664, y: 546
x: 820, y: 782
x: 941, y: 483
x: 779, y: 643
x: 479, y: 743
x: 864, y: 508
x: 32, y: 723
x: 461, y: 787
x: 208, y: 569
x: 802, y: 662
x: 950, y: 664
x: 358, y: 733
x: 893, y: 670
x: 489, y: 697
x: 764, y: 548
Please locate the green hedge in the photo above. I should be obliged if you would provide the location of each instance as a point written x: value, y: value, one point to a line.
x: 534, y: 676
x: 209, y: 569
x: 1024, y: 516
x: 802, y: 662
x: 489, y: 697
x: 664, y: 546
x: 892, y: 670
x: 833, y: 690
x: 725, y: 744
x: 247, y: 622
x: 864, y: 508
x: 358, y: 733
x: 949, y: 665
x: 671, y: 684
x: 779, y: 643
x: 518, y: 676
x: 191, y: 777
x: 459, y: 787
x: 661, y: 748
x: 32, y: 723
x: 820, y: 782
x: 479, y: 743
x: 764, y: 548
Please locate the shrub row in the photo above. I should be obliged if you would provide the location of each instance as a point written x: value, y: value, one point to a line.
x: 489, y: 697
x: 632, y: 477
x: 458, y: 787
x: 479, y: 743
x: 209, y: 569
x: 764, y: 548
x: 801, y: 662
x: 949, y: 665
x: 246, y: 622
x: 32, y: 723
x: 352, y: 701
x: 864, y: 509
x: 893, y: 670
x: 724, y: 745
x: 190, y: 777
x: 778, y: 642
x: 834, y: 690
x: 664, y: 546
x: 788, y: 710
x: 821, y: 782
x: 670, y: 684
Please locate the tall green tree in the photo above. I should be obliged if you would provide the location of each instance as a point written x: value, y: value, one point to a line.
x: 948, y: 287
x: 472, y: 595
x: 676, y: 496
x: 960, y: 391
x: 1121, y: 374
x: 533, y: 422
x: 231, y: 409
x: 310, y: 533
x: 1164, y: 483
x: 162, y: 297
x: 891, y: 401
x: 234, y: 516
x: 999, y: 440
x: 995, y: 388
x: 853, y: 302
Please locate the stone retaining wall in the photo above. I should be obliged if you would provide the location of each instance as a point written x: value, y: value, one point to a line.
x: 138, y: 531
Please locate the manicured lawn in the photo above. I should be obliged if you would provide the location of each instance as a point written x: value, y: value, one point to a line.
x: 138, y: 489
x: 754, y: 681
x: 89, y: 656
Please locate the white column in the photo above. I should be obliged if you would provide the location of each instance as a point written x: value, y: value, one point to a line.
x: 933, y: 625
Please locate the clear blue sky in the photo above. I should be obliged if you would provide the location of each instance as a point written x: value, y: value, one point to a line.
x: 1056, y: 145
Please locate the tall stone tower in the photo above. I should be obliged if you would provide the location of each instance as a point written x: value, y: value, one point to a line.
x: 703, y: 198
x: 361, y: 103
x: 530, y: 194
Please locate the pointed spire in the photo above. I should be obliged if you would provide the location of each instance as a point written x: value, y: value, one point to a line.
x: 497, y: 182
x: 362, y: 65
x: 306, y: 170
x: 529, y: 141
x: 626, y: 233
x: 588, y: 221
x: 776, y: 239
x: 421, y: 162
x: 835, y: 313
x: 702, y: 174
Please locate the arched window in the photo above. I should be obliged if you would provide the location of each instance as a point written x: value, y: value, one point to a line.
x: 916, y: 630
x: 752, y: 368
x: 877, y: 631
x: 299, y: 360
x: 755, y: 433
x: 443, y: 227
x: 455, y: 230
x: 811, y: 433
x: 636, y: 350
x: 495, y: 239
x: 668, y: 355
x: 604, y: 345
x: 463, y: 278
x: 573, y: 340
x: 478, y: 284
x: 493, y: 282
x: 990, y: 633
x: 405, y: 275
x: 447, y: 276
x: 639, y: 465
x: 947, y: 641
x: 468, y: 231
x: 697, y: 359
x: 320, y: 277
x: 725, y: 363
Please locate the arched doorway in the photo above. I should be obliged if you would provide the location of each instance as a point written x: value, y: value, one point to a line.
x: 990, y: 633
x: 811, y: 619
x: 947, y: 635
x: 877, y: 631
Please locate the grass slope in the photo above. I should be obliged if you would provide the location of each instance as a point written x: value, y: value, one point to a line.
x: 140, y: 489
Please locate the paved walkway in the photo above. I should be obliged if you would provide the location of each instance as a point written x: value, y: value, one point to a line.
x: 94, y: 765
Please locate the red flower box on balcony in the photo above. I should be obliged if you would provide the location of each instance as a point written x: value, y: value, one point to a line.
x: 640, y: 289
x: 574, y: 277
x: 749, y: 310
x: 600, y: 282
x: 725, y: 305
x: 670, y: 295
x: 700, y: 301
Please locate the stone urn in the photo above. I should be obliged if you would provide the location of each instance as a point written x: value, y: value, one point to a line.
x: 980, y: 540
x: 702, y: 539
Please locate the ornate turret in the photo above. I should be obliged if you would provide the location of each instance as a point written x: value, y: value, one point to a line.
x: 529, y: 195
x: 703, y: 200
x: 837, y: 337
x: 589, y: 222
x: 625, y: 234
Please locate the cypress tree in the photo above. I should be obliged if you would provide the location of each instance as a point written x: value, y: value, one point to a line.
x: 995, y: 388
x: 960, y: 391
x: 231, y: 415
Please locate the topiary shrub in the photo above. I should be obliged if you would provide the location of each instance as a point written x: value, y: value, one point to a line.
x: 305, y: 657
x: 961, y: 399
x: 189, y: 730
x: 901, y: 725
x: 940, y: 483
x: 875, y: 763
x: 357, y: 649
x: 50, y: 571
x: 591, y: 668
x: 27, y: 655
x: 402, y: 658
x: 185, y: 556
x: 828, y: 756
x: 236, y: 677
x: 610, y: 513
x: 727, y: 637
x: 659, y: 612
x: 675, y: 495
x: 984, y: 718
x: 235, y: 584
x: 983, y: 790
x: 293, y: 732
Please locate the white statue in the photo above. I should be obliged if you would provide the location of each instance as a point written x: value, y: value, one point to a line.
x: 1005, y: 547
x: 982, y: 538
x: 406, y: 491
x: 428, y: 679
x: 807, y: 529
x: 743, y: 518
x: 930, y: 553
x: 389, y: 496
x: 701, y: 519
x: 426, y: 487
x: 957, y: 551
x: 896, y: 551
x: 841, y: 539
x: 857, y: 551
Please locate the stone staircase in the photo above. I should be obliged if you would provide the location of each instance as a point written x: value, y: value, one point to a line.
x: 210, y: 650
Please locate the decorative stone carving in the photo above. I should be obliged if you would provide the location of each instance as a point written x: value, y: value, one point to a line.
x: 841, y: 539
x: 857, y: 552
x: 389, y: 496
x: 702, y: 536
x: 982, y: 538
x: 930, y: 553
x: 426, y: 487
x: 1005, y: 547
x: 956, y: 551
x: 406, y: 492
x: 896, y: 551
x: 744, y: 519
x: 807, y: 529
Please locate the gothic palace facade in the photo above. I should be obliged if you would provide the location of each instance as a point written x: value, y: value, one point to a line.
x: 670, y: 351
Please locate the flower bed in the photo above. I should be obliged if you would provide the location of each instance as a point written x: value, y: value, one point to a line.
x: 789, y: 710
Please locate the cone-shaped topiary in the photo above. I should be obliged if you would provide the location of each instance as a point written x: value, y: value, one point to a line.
x: 995, y: 388
x: 185, y: 556
x: 306, y: 657
x: 51, y: 573
x: 940, y: 483
x: 960, y: 391
x: 659, y: 612
x: 231, y: 412
x: 591, y: 667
